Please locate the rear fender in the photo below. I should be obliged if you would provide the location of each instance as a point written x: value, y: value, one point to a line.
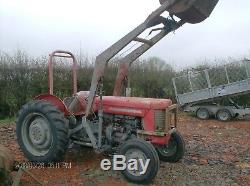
x: 54, y: 100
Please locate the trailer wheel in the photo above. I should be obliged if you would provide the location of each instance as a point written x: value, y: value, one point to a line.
x: 42, y: 132
x: 202, y: 113
x: 174, y: 150
x: 223, y: 115
x: 140, y: 149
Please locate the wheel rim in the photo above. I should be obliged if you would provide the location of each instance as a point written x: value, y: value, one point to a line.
x: 202, y: 114
x: 36, y: 134
x: 223, y: 115
x: 135, y: 154
x: 169, y: 149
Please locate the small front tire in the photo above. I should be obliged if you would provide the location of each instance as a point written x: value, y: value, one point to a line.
x: 174, y: 150
x: 140, y: 149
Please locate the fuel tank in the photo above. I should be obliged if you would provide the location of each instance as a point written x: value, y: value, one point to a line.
x: 192, y: 11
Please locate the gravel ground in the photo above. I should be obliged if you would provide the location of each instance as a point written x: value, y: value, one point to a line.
x: 216, y: 154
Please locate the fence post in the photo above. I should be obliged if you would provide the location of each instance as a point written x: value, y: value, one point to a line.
x: 207, y: 78
x: 175, y: 88
x: 227, y: 75
x: 247, y: 66
x: 189, y: 79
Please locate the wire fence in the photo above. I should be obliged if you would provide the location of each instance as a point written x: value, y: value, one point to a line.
x: 216, y: 76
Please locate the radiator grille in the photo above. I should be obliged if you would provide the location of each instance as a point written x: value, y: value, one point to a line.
x: 160, y: 116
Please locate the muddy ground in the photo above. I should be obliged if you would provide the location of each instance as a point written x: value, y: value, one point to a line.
x: 217, y: 153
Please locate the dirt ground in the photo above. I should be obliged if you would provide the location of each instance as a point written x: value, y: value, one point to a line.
x: 217, y: 153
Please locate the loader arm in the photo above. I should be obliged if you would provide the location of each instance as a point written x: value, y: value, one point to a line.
x: 126, y: 62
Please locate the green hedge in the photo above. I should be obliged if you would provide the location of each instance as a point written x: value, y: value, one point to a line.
x: 22, y: 77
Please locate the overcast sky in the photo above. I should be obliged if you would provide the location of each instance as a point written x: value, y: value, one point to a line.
x: 39, y: 27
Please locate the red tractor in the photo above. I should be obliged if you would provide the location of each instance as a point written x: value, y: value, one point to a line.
x: 138, y: 128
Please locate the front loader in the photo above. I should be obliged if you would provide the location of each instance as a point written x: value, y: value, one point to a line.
x: 138, y: 128
x: 196, y: 14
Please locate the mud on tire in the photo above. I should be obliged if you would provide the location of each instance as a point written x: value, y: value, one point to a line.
x: 146, y: 150
x: 42, y: 132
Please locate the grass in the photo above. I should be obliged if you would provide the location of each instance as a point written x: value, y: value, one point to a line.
x: 7, y: 120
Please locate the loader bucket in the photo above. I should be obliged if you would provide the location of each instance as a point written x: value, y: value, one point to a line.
x: 192, y: 11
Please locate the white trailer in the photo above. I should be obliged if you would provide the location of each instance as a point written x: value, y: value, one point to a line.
x: 209, y: 92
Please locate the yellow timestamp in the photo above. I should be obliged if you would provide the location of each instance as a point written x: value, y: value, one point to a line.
x: 41, y: 165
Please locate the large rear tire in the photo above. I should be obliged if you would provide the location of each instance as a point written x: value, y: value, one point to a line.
x: 42, y: 132
x: 174, y: 150
x: 140, y: 149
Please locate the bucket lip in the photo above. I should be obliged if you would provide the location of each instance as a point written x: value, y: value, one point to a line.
x: 187, y: 10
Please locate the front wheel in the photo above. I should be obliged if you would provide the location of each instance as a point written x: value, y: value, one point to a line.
x: 42, y: 132
x: 140, y: 150
x: 174, y: 150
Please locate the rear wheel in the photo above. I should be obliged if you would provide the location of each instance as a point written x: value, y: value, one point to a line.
x: 174, y: 150
x: 140, y: 149
x: 223, y: 115
x: 42, y: 132
x: 202, y: 113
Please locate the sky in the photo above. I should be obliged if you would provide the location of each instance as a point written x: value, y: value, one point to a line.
x: 39, y: 27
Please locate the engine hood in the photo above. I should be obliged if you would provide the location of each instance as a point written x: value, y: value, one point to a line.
x: 128, y: 102
x: 135, y: 102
